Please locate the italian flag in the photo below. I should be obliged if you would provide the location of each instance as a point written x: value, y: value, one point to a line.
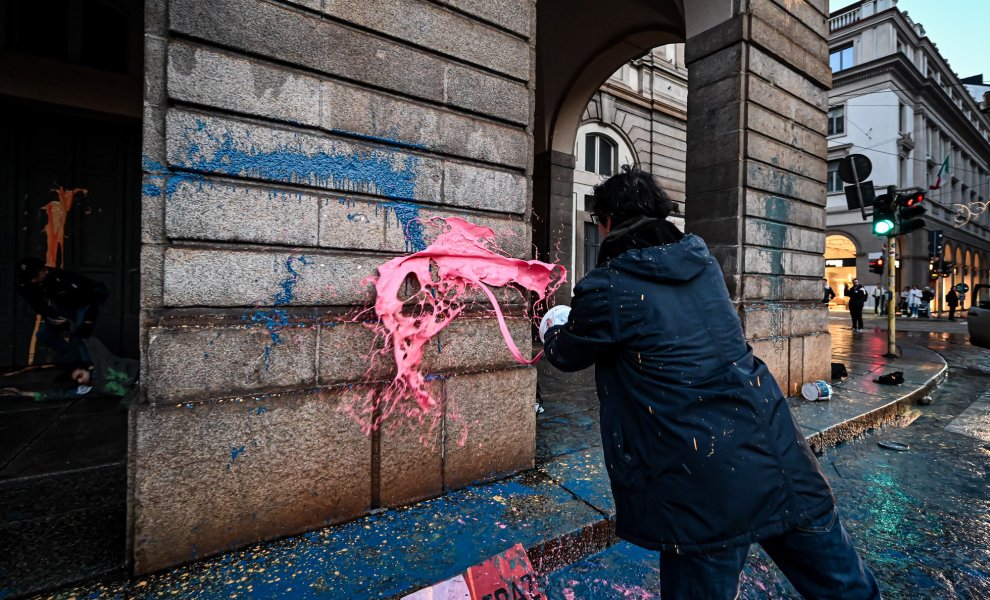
x: 938, y: 178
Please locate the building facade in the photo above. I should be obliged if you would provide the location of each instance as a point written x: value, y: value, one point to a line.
x: 275, y: 153
x: 637, y: 118
x: 897, y: 101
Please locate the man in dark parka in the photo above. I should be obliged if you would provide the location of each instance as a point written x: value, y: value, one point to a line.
x: 702, y: 452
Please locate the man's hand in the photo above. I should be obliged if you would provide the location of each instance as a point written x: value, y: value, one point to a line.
x: 555, y: 316
x: 85, y: 330
x: 12, y: 391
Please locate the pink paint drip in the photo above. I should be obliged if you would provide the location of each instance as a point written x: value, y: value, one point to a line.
x: 462, y: 258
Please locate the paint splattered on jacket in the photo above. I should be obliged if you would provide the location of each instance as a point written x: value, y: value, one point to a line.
x: 700, y: 446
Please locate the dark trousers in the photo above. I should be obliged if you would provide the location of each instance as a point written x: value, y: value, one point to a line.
x: 952, y: 312
x: 67, y: 351
x: 819, y: 560
x: 876, y: 305
x: 856, y: 312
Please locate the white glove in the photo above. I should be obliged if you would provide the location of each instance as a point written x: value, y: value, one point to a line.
x: 555, y: 316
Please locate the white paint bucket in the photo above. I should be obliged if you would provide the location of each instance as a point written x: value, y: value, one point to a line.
x: 818, y: 390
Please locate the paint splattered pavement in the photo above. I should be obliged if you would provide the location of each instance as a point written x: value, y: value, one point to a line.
x: 921, y: 518
x: 561, y: 512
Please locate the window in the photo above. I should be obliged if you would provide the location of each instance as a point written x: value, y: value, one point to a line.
x: 833, y: 183
x: 841, y: 59
x: 836, y: 120
x: 591, y: 241
x: 589, y: 202
x: 599, y: 154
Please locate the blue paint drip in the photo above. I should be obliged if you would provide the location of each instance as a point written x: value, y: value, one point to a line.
x: 276, y: 319
x: 374, y: 171
x: 407, y: 217
x: 289, y: 283
x: 260, y: 410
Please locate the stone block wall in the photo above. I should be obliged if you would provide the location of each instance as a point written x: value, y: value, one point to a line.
x: 757, y: 104
x: 287, y: 147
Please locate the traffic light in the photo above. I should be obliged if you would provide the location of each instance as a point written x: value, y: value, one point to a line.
x: 876, y: 265
x: 883, y: 216
x: 909, y: 211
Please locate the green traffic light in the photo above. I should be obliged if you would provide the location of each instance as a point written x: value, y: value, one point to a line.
x: 883, y: 227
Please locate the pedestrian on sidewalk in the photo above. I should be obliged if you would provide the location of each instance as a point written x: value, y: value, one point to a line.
x: 914, y: 301
x: 828, y: 293
x: 857, y: 300
x: 702, y: 452
x: 952, y: 299
x: 877, y: 297
x: 885, y: 305
x: 905, y: 294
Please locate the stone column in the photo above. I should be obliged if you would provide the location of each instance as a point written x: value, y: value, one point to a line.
x: 757, y: 102
x: 552, y: 214
x: 290, y: 148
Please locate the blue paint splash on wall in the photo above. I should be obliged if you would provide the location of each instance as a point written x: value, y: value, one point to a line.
x: 276, y: 319
x: 371, y: 171
x: 167, y: 179
x: 235, y: 451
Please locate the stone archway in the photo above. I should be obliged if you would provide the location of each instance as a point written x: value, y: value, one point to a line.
x: 840, y: 265
x: 757, y: 96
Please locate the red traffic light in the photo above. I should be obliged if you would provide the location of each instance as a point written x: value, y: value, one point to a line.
x: 914, y: 199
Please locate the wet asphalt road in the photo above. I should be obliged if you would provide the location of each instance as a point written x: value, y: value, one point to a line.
x: 920, y: 518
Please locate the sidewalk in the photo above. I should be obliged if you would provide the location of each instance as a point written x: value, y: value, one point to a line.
x: 561, y: 511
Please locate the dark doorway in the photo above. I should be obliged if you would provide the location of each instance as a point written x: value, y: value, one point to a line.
x: 71, y: 185
x: 70, y: 161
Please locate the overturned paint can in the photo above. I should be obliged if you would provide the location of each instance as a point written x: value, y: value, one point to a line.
x: 818, y: 390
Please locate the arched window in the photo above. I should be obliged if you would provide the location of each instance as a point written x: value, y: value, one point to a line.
x: 600, y: 154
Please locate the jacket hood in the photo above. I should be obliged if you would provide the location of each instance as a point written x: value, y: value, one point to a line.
x: 679, y: 261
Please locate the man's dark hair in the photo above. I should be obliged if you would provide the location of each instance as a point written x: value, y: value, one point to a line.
x: 631, y: 194
x: 28, y: 268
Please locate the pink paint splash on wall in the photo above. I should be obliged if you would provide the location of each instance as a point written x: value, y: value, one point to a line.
x: 461, y: 260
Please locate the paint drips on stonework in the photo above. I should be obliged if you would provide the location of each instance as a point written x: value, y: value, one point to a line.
x: 418, y: 295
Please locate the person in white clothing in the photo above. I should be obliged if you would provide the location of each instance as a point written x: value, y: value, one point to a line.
x: 914, y: 301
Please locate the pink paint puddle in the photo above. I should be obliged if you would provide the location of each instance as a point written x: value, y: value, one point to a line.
x: 442, y: 278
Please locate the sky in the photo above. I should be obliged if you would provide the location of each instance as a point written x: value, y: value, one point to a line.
x: 957, y: 27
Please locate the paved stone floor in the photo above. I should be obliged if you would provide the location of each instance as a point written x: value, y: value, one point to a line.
x: 921, y: 518
x: 62, y: 487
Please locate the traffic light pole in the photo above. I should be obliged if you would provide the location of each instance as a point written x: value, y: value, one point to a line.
x: 892, y: 303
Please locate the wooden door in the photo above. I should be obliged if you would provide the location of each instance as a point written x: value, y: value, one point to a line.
x: 70, y: 185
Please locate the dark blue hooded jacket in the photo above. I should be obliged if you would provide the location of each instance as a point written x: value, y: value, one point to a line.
x: 699, y: 444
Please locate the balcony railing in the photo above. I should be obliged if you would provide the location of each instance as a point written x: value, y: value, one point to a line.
x: 846, y: 18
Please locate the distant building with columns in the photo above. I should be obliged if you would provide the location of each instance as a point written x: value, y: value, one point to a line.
x: 897, y: 100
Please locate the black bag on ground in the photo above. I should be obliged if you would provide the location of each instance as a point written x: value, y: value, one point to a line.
x: 839, y: 371
x: 894, y: 378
